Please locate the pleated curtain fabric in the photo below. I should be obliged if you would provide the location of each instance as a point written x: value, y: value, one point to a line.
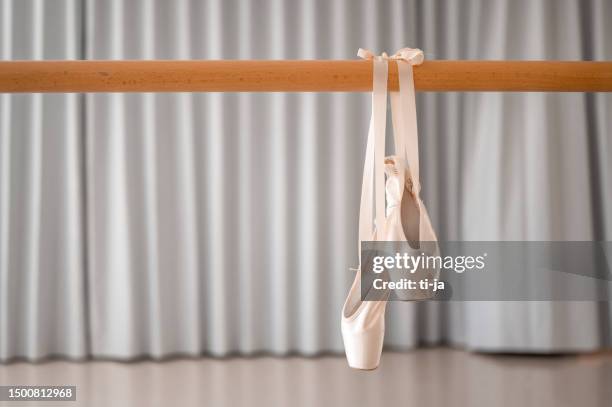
x: 43, y: 269
x: 161, y: 224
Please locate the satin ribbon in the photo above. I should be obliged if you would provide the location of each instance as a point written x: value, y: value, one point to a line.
x: 403, y: 107
x: 403, y: 102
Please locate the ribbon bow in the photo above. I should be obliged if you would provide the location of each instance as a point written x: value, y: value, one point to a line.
x: 413, y: 56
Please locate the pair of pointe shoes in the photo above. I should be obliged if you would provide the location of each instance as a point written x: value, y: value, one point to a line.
x: 363, y: 322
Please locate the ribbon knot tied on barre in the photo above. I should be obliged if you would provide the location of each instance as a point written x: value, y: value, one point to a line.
x: 413, y: 56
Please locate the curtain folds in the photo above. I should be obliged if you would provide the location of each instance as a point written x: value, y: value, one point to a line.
x: 159, y: 224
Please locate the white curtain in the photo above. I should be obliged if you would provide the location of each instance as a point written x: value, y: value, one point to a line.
x: 159, y: 224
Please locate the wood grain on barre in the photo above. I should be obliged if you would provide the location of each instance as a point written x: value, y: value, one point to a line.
x: 297, y: 76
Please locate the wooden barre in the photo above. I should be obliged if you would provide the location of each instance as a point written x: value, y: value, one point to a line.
x: 297, y: 76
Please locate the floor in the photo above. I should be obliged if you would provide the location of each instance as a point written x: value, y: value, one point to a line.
x: 430, y: 377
